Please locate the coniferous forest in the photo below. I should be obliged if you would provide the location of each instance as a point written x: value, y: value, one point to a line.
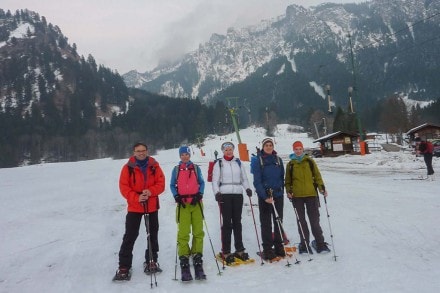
x: 56, y: 105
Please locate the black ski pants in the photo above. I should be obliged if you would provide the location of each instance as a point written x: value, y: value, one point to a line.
x: 231, y: 208
x: 428, y: 162
x: 132, y: 225
x: 311, y: 204
x: 267, y: 217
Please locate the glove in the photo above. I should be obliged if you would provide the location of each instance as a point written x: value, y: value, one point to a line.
x: 249, y: 192
x: 269, y: 192
x: 218, y: 197
x: 179, y: 200
x: 196, y: 198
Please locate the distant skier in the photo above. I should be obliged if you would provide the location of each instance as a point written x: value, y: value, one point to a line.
x: 426, y: 148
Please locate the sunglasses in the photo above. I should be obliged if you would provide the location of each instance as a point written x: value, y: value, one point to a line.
x: 227, y: 145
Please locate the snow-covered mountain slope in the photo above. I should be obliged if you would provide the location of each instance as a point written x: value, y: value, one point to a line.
x: 305, y: 37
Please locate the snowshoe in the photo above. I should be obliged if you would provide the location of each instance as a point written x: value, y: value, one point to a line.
x: 122, y: 274
x: 152, y: 268
x: 286, y: 251
x: 290, y: 249
x: 270, y: 256
x: 320, y: 247
x: 242, y: 257
x: 228, y: 259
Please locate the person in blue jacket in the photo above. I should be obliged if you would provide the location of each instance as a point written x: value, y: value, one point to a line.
x: 268, y: 171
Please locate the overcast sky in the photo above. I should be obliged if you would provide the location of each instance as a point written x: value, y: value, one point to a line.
x: 136, y: 34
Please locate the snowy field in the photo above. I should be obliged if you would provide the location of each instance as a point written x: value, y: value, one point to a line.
x: 62, y: 225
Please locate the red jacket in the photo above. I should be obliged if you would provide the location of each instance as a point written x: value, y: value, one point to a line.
x: 132, y: 183
x: 427, y: 149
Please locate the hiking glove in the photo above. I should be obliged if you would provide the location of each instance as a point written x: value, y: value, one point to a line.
x: 218, y: 197
x: 179, y: 200
x: 196, y: 198
x: 249, y: 192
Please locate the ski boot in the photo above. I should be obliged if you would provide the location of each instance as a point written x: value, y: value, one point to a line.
x: 199, y: 274
x: 242, y: 255
x: 320, y: 247
x: 185, y: 270
x: 304, y: 248
x: 152, y: 268
x: 122, y: 274
x: 270, y: 256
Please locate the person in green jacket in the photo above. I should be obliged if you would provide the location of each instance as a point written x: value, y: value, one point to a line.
x: 301, y: 181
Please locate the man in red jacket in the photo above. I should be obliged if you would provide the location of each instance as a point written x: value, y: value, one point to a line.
x: 141, y: 182
x: 426, y: 148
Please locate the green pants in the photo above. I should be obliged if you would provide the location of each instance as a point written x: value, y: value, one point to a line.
x: 189, y: 218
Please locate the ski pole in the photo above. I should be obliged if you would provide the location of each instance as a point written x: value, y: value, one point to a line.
x: 283, y: 235
x: 221, y: 234
x: 209, y: 237
x: 330, y: 227
x: 150, y: 252
x: 301, y: 229
x: 280, y: 229
x: 256, y: 232
x: 177, y: 243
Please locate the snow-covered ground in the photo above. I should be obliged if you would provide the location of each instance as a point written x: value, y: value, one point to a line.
x: 62, y: 225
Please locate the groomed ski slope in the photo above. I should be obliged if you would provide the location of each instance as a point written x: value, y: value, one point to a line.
x: 62, y: 225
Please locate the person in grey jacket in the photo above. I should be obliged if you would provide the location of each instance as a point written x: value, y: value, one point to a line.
x: 228, y: 180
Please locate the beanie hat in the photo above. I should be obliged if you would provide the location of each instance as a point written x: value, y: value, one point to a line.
x: 227, y: 144
x: 266, y: 140
x: 184, y: 150
x: 297, y: 144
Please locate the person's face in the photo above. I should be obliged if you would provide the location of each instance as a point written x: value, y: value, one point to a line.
x: 228, y: 151
x: 140, y: 152
x: 185, y: 157
x: 268, y: 147
x: 298, y: 151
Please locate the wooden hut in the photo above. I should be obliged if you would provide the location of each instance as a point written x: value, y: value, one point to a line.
x: 338, y: 143
x: 426, y: 131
